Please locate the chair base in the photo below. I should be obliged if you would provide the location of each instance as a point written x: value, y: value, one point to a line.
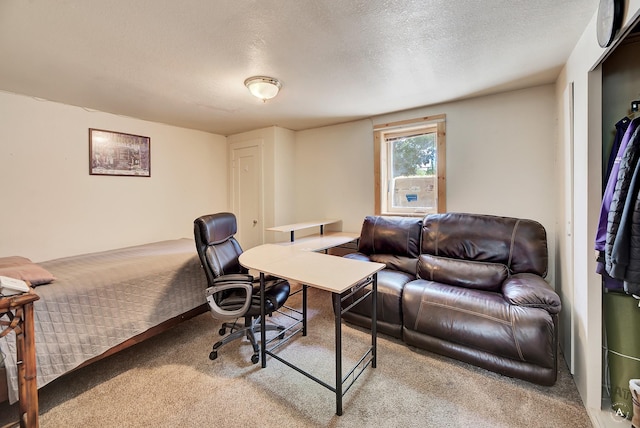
x: 248, y: 330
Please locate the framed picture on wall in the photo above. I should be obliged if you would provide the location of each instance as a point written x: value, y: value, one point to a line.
x: 117, y: 153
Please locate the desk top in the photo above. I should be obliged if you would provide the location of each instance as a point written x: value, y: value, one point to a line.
x: 303, y: 225
x: 330, y: 273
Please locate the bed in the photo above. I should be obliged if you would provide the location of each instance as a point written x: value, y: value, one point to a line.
x: 100, y: 303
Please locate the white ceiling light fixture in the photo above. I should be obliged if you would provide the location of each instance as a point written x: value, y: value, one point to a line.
x: 263, y: 87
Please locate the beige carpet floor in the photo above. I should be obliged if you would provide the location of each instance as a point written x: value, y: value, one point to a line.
x: 169, y: 381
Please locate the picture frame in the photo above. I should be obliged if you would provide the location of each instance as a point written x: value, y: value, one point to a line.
x: 118, y: 153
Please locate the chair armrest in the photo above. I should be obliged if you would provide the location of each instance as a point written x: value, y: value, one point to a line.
x: 527, y: 289
x: 237, y: 277
x: 230, y: 282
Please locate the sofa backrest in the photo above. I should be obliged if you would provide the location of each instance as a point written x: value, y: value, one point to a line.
x: 390, y: 235
x: 394, y: 241
x: 519, y: 244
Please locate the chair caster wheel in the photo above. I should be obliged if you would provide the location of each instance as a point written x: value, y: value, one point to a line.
x: 255, y: 358
x: 281, y: 336
x: 213, y: 355
x: 222, y: 331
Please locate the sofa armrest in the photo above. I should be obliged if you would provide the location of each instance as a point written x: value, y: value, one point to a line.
x: 527, y: 289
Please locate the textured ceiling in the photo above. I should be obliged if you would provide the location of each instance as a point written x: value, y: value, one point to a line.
x: 184, y: 62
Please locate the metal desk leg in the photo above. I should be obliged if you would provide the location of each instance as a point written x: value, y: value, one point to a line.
x: 374, y: 319
x: 304, y: 309
x: 355, y: 372
x: 337, y: 310
x: 263, y: 323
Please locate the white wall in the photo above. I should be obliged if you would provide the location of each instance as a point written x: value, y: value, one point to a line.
x: 283, y: 176
x: 334, y: 173
x: 500, y: 160
x: 52, y: 207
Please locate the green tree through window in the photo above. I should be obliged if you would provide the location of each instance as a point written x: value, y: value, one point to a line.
x: 414, y: 155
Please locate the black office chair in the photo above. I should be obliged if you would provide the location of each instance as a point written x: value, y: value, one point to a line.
x: 233, y: 293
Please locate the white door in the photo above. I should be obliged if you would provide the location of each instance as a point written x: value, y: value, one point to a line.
x: 246, y: 192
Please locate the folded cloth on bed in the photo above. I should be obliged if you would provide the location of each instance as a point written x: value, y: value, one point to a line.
x: 100, y: 300
x: 22, y: 268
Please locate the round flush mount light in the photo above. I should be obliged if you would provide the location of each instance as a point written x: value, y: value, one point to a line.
x: 263, y: 87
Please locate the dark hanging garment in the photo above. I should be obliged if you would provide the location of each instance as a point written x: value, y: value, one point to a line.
x: 625, y: 129
x: 622, y: 247
x: 621, y: 129
x: 615, y: 159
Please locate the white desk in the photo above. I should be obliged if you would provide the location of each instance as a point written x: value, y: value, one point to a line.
x: 304, y: 225
x: 329, y: 273
x: 338, y: 238
x: 322, y: 242
x: 335, y: 274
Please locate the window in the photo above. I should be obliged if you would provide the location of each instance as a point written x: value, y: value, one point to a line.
x: 410, y: 167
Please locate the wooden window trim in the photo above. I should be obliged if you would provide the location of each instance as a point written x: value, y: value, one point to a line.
x: 380, y: 156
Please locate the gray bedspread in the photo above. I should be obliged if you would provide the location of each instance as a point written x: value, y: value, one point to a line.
x: 100, y: 300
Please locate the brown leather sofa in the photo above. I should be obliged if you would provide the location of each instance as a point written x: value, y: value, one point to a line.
x: 467, y: 286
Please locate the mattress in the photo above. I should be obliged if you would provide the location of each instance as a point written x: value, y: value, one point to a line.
x: 100, y: 300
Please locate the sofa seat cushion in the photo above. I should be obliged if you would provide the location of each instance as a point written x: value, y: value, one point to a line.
x: 389, y: 308
x: 479, y: 320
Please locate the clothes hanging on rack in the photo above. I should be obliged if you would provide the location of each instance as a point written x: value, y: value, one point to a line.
x: 622, y: 243
x: 625, y: 129
x: 617, y: 152
x: 621, y: 128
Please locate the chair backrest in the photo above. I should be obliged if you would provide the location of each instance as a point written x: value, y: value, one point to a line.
x: 216, y: 246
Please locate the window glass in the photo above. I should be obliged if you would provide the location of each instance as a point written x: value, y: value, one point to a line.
x: 413, y: 172
x: 409, y: 168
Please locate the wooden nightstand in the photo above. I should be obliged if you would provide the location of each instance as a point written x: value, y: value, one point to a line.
x: 19, y: 319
